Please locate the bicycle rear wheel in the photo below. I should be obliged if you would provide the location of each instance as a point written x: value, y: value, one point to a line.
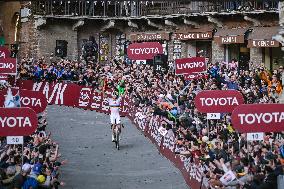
x: 117, y: 140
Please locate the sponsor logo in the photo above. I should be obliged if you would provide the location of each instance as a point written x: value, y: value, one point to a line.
x: 15, y: 121
x: 145, y: 51
x: 30, y: 101
x: 273, y: 117
x: 231, y: 101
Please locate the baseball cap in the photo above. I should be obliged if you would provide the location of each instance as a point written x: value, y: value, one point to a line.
x: 26, y: 168
x: 37, y: 168
x: 240, y: 170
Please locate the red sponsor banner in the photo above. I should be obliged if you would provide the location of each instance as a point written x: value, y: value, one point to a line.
x: 17, y: 121
x: 218, y: 101
x: 192, y: 171
x: 249, y: 118
x: 144, y: 51
x: 190, y: 65
x: 8, y: 66
x: 194, y: 76
x: 4, y: 52
x: 31, y: 99
x: 73, y: 95
x: 4, y: 77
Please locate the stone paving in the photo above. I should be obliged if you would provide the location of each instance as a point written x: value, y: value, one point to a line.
x: 84, y: 138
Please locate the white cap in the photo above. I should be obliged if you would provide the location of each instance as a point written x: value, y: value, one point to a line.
x: 26, y: 168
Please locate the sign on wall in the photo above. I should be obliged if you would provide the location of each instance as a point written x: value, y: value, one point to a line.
x: 218, y: 101
x: 149, y: 36
x: 193, y: 35
x: 263, y: 43
x: 250, y: 118
x: 229, y: 39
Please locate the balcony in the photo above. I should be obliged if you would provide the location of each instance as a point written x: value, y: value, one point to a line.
x: 139, y: 8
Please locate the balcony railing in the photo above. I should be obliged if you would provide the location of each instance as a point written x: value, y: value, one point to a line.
x: 138, y: 8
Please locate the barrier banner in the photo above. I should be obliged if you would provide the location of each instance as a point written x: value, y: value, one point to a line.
x: 90, y: 99
x: 218, y: 101
x: 17, y: 121
x: 190, y: 65
x: 251, y: 118
x: 70, y: 94
x: 30, y: 99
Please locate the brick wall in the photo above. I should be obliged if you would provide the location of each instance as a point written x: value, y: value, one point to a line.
x: 53, y: 31
x: 7, y: 12
x: 217, y: 52
x: 256, y: 56
x: 29, y: 40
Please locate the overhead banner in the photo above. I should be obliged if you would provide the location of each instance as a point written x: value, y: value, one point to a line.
x: 251, y: 118
x: 190, y: 65
x: 8, y: 66
x: 17, y: 121
x: 73, y: 95
x: 144, y: 51
x: 218, y: 101
x: 30, y: 99
x: 4, y: 52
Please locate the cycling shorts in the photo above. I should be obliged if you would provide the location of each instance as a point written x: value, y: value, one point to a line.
x: 114, y: 118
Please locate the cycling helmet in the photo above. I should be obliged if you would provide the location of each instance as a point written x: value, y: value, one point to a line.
x: 114, y: 95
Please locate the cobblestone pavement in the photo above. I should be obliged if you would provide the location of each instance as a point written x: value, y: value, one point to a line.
x: 94, y: 163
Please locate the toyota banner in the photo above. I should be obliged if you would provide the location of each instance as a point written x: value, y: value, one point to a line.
x: 218, y: 101
x: 31, y: 99
x: 144, y: 51
x: 250, y: 118
x: 17, y: 121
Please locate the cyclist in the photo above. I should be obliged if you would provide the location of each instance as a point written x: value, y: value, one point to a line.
x: 114, y: 104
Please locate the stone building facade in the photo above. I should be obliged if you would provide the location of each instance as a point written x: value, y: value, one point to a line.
x: 219, y: 31
x: 9, y: 13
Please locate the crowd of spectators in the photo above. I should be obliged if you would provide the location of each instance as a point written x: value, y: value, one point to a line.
x: 33, y: 165
x: 256, y: 164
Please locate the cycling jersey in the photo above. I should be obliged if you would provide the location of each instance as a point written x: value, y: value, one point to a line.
x: 114, y: 110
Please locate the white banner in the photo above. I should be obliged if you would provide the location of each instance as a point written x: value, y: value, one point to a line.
x: 227, y: 178
x: 163, y: 131
x: 15, y: 140
x: 255, y: 136
x: 213, y: 115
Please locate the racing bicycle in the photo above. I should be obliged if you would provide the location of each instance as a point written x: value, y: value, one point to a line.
x: 116, y: 133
